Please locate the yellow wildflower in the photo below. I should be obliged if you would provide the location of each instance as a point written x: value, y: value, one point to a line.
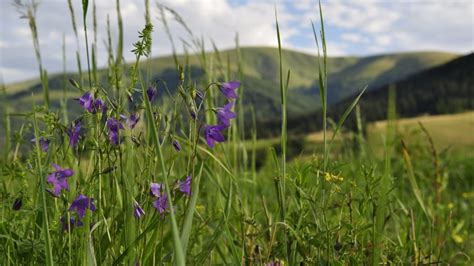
x: 332, y: 178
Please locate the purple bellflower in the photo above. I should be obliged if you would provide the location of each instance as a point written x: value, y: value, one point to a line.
x: 44, y: 143
x: 100, y: 106
x: 155, y: 189
x: 151, y: 92
x: 176, y: 145
x: 72, y: 223
x: 185, y: 186
x: 228, y: 89
x: 161, y: 203
x: 73, y: 133
x: 138, y: 212
x: 133, y: 120
x: 17, y: 204
x: 87, y: 102
x: 59, y: 179
x: 81, y: 204
x: 213, y: 134
x: 114, y: 126
x: 224, y: 114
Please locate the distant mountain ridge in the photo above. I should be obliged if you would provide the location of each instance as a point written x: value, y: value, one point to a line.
x: 443, y: 89
x: 260, y: 77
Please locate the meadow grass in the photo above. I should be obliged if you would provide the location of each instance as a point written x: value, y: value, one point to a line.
x: 339, y: 199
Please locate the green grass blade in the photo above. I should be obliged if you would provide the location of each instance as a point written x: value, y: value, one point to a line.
x: 188, y: 220
x: 344, y: 116
x: 381, y: 207
x: 412, y: 179
x: 178, y: 247
x: 47, y: 236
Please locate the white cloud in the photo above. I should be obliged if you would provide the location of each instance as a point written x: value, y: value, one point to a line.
x: 387, y: 25
x: 353, y: 37
x: 383, y: 40
x: 399, y: 25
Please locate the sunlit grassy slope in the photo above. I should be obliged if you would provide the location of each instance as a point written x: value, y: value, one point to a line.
x: 347, y: 75
x: 450, y: 133
x: 453, y: 132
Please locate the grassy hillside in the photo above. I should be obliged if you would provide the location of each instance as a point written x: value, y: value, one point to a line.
x: 260, y: 76
x: 444, y: 89
x: 450, y: 133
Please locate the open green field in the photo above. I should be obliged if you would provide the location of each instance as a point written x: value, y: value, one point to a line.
x: 450, y: 133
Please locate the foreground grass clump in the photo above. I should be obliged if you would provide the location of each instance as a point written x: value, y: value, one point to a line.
x: 139, y: 177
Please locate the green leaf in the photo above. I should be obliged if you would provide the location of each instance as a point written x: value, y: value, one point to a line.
x: 188, y: 221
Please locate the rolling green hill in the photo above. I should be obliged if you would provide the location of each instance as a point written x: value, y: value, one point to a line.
x: 444, y: 89
x: 260, y: 77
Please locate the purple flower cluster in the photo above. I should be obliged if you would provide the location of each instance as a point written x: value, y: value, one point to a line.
x: 81, y: 204
x: 185, y: 186
x: 72, y: 223
x: 87, y: 101
x: 131, y: 121
x: 59, y: 179
x: 213, y: 133
x: 92, y: 105
x: 44, y: 143
x: 73, y: 133
x: 151, y: 93
x: 114, y: 126
x: 161, y: 202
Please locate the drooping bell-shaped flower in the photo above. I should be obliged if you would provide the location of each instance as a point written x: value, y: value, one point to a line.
x: 151, y: 93
x: 87, y: 102
x: 213, y: 134
x: 185, y: 186
x: 225, y: 114
x: 59, y: 179
x: 73, y: 133
x: 229, y: 88
x: 138, y: 212
x: 81, y: 204
x: 114, y: 126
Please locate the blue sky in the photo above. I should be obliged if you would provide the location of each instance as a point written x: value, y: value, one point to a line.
x: 357, y: 27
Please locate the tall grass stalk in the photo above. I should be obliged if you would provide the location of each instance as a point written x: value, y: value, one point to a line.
x: 322, y: 79
x: 283, y: 137
x: 6, y: 121
x: 64, y: 96
x: 94, y: 43
x: 85, y: 7
x: 385, y: 182
x: 44, y: 209
x: 178, y: 247
x: 78, y: 54
x: 117, y: 69
x: 28, y: 11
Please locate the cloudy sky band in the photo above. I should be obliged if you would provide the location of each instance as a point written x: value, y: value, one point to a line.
x: 358, y: 27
